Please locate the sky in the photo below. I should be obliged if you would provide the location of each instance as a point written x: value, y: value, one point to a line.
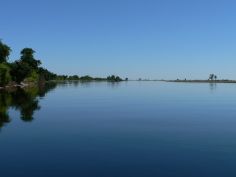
x: 153, y: 39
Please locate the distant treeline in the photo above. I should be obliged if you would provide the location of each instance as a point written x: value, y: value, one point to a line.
x: 27, y: 69
x: 111, y: 78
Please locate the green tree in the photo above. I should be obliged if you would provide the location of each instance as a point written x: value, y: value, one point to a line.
x: 114, y: 78
x: 45, y: 75
x: 5, y: 51
x: 5, y: 76
x: 27, y: 66
x: 212, y: 77
x: 74, y: 77
x: 86, y: 78
x: 27, y: 56
x: 215, y: 77
x: 19, y: 71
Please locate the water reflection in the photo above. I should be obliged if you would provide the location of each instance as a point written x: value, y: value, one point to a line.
x: 113, y: 84
x: 87, y: 84
x: 26, y: 101
x: 213, y: 86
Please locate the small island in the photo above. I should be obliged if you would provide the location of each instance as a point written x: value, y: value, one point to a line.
x: 212, y: 79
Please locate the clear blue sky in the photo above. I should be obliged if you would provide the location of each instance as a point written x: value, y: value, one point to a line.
x: 135, y: 38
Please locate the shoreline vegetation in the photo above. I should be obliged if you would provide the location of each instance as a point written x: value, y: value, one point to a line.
x: 27, y: 71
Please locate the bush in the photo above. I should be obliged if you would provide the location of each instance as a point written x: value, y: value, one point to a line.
x: 114, y: 78
x: 33, y: 77
x: 19, y: 71
x: 5, y: 76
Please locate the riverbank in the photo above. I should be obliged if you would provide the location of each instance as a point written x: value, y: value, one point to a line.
x: 22, y: 85
x: 33, y: 84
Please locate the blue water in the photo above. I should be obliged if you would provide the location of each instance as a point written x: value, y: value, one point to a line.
x: 127, y: 129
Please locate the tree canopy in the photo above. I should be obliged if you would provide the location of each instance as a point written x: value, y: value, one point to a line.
x: 27, y: 56
x: 5, y: 51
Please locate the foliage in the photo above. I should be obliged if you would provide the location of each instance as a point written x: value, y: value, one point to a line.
x: 114, y: 78
x: 19, y: 71
x: 46, y: 75
x: 33, y: 77
x: 5, y: 51
x: 74, y: 77
x: 26, y: 68
x: 27, y: 56
x: 212, y: 77
x: 86, y: 78
x: 62, y: 77
x: 5, y: 76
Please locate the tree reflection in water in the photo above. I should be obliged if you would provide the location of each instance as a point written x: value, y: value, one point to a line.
x: 26, y: 101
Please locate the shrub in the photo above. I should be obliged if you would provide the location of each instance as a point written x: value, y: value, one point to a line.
x: 5, y: 76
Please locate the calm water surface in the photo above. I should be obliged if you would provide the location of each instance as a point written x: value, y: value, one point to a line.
x: 127, y: 129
